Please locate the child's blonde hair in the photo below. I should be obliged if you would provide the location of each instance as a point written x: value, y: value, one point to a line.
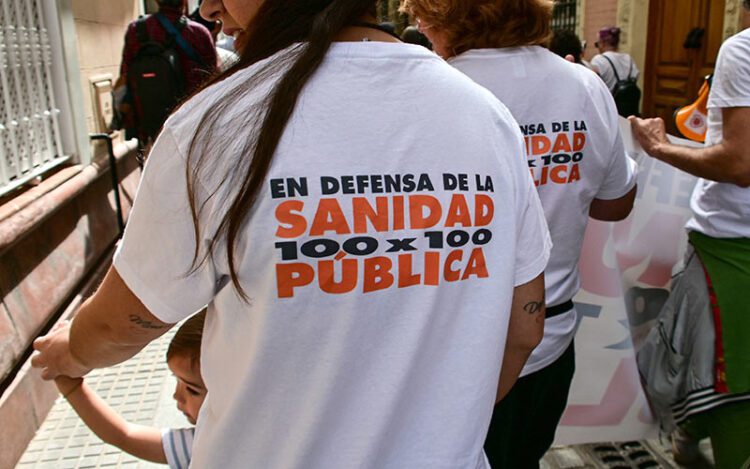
x: 187, y: 340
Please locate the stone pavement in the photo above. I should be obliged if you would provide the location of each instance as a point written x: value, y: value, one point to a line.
x: 141, y: 391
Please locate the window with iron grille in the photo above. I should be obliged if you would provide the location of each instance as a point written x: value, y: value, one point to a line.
x: 30, y: 138
x: 565, y: 15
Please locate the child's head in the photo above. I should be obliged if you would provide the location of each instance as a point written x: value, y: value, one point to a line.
x: 183, y: 359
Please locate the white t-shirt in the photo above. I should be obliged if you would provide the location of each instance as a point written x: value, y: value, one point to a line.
x: 375, y: 329
x: 178, y: 446
x: 722, y: 210
x: 624, y: 64
x: 576, y: 155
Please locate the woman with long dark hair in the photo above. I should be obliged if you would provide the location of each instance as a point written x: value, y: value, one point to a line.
x: 360, y: 220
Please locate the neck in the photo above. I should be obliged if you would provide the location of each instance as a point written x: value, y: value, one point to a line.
x: 359, y: 33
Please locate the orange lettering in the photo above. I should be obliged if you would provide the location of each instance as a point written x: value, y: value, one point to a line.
x: 326, y: 276
x: 540, y: 145
x: 431, y: 268
x: 398, y: 213
x: 378, y: 274
x: 296, y: 223
x: 559, y: 174
x: 458, y: 212
x: 575, y: 174
x: 417, y: 217
x: 562, y: 144
x: 579, y: 141
x: 329, y: 217
x: 477, y: 265
x: 290, y: 276
x: 363, y: 212
x: 453, y: 257
x: 484, y: 208
x: 406, y: 277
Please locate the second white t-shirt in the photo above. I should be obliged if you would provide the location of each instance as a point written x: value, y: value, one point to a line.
x: 624, y: 66
x: 575, y: 154
x: 722, y: 210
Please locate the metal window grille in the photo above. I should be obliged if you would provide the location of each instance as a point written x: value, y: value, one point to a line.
x: 565, y: 15
x: 30, y: 139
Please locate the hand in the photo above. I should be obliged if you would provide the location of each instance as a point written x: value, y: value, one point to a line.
x: 650, y: 133
x: 66, y: 385
x: 53, y: 354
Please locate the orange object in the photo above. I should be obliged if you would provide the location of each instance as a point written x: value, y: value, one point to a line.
x: 692, y: 120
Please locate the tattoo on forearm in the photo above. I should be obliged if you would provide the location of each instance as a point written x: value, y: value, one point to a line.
x: 139, y: 321
x: 534, y: 307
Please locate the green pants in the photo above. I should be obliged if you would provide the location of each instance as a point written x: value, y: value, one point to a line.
x: 729, y: 430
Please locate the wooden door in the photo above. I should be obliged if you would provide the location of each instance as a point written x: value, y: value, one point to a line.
x: 673, y: 73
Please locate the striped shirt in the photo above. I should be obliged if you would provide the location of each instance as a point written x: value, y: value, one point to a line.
x: 178, y: 446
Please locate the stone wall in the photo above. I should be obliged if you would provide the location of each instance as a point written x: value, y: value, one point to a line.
x: 55, y: 236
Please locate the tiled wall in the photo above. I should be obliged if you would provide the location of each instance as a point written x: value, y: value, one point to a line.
x: 100, y: 29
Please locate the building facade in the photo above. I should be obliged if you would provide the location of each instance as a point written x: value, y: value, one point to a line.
x: 674, y: 43
x: 58, y: 217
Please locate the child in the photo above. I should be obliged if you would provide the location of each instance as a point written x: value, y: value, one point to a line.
x: 170, y: 446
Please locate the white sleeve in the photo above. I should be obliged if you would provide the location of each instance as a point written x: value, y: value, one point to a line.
x: 156, y: 254
x: 731, y: 84
x: 622, y: 172
x: 533, y: 241
x: 178, y: 446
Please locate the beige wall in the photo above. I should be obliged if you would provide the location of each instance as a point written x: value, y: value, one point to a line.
x: 596, y: 15
x: 100, y: 30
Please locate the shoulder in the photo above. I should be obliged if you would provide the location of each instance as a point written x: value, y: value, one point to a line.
x: 737, y: 47
x: 183, y: 122
x: 133, y: 25
x: 197, y: 29
x: 598, y: 59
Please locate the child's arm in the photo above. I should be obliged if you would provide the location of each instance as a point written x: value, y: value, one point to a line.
x: 140, y: 441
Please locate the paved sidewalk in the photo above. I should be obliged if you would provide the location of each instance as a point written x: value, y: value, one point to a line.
x: 141, y: 391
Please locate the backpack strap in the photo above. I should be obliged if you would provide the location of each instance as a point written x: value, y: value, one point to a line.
x: 630, y: 69
x: 181, y: 42
x: 617, y: 77
x: 141, y: 32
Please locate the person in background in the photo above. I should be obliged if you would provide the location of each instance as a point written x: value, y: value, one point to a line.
x: 610, y: 63
x: 146, y: 106
x: 567, y: 45
x: 226, y: 57
x: 360, y: 220
x: 577, y: 159
x: 166, y: 446
x: 411, y: 35
x: 716, y: 403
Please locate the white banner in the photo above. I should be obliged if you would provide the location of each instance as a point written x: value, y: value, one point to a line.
x: 626, y: 269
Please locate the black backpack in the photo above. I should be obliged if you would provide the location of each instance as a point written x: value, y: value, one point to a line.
x: 155, y: 80
x: 626, y: 93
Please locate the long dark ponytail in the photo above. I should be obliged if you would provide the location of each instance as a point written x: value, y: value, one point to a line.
x: 277, y: 26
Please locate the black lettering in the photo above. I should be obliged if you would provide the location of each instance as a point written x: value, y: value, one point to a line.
x: 352, y: 246
x: 398, y: 245
x: 318, y: 248
x: 288, y: 250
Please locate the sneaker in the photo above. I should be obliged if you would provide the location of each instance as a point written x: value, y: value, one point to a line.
x: 685, y: 449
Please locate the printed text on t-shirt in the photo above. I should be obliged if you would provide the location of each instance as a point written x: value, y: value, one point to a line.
x: 369, y: 233
x: 555, y: 151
